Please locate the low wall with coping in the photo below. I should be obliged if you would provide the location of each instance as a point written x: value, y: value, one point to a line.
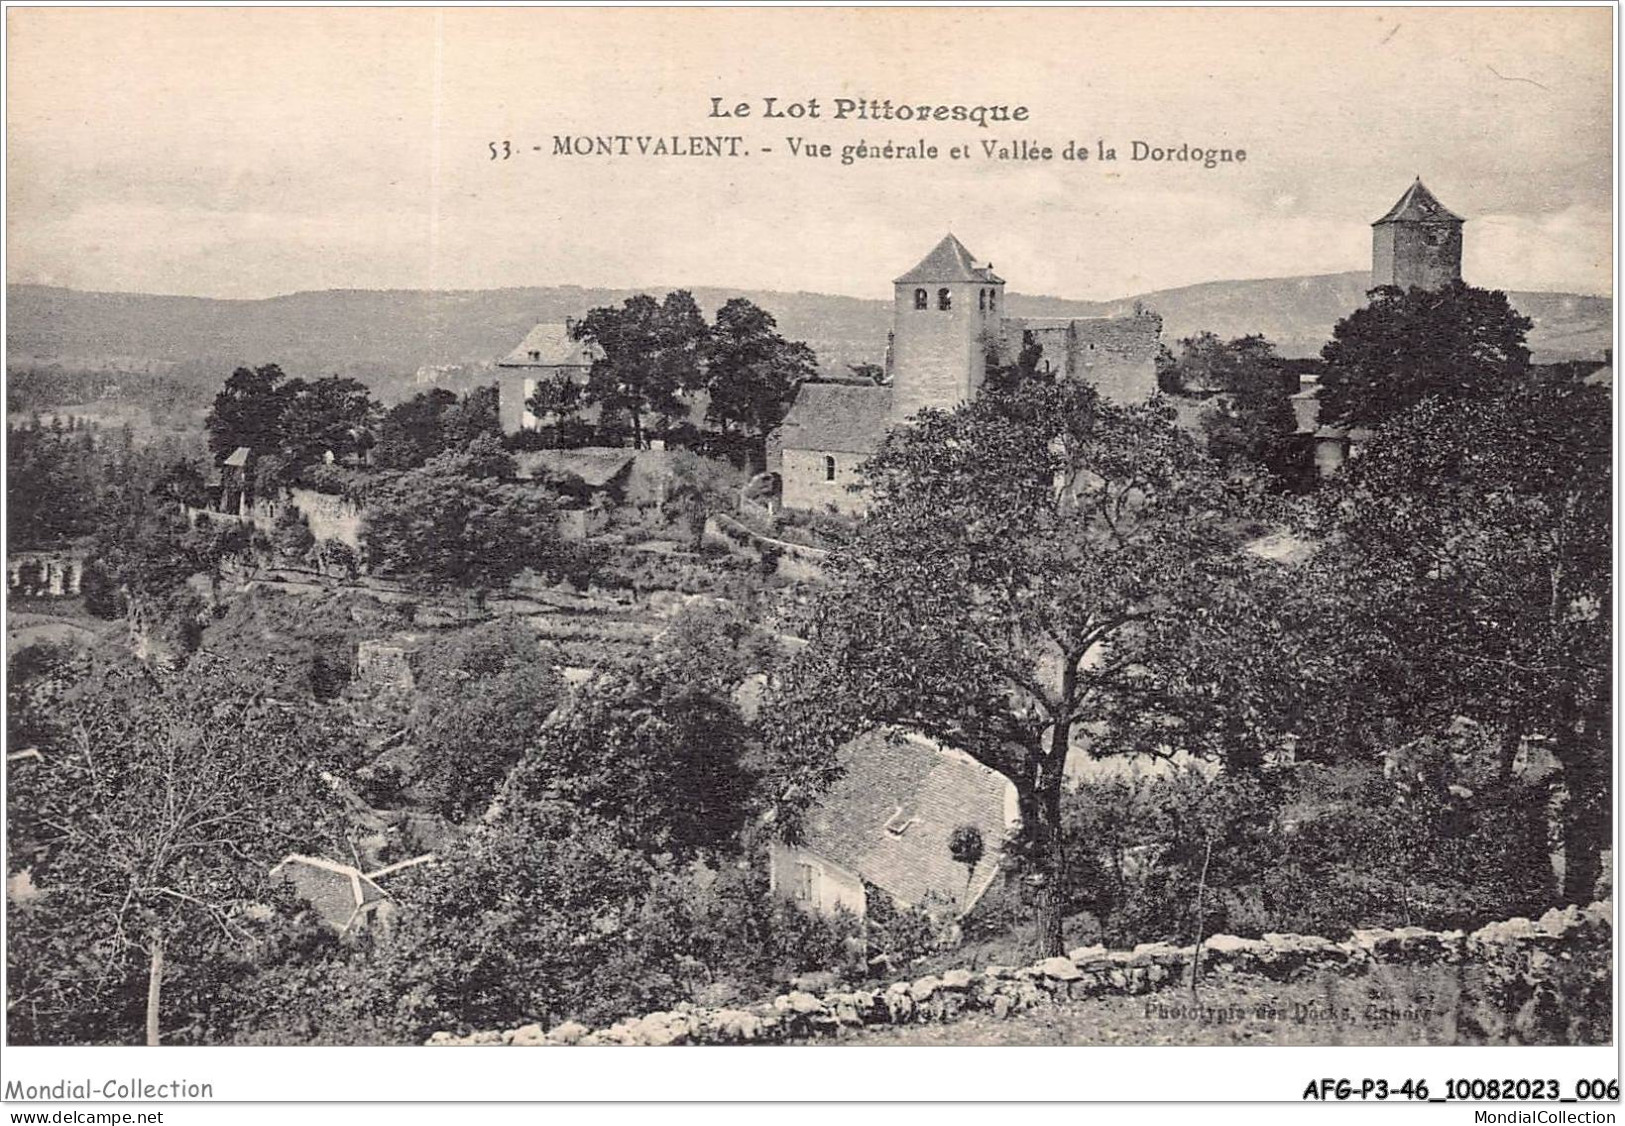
x: 1533, y: 948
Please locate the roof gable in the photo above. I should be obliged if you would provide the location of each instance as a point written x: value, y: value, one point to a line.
x: 595, y: 466
x: 890, y: 815
x: 843, y: 417
x: 338, y: 892
x: 550, y: 345
x: 949, y: 261
x: 1419, y: 205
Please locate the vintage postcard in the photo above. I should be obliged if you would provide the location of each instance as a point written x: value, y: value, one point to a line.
x: 813, y: 528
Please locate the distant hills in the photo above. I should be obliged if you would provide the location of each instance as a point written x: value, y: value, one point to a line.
x: 384, y: 336
x: 1298, y: 313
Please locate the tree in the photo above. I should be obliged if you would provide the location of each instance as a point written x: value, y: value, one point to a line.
x: 482, y: 698
x: 1250, y: 421
x: 1457, y: 342
x: 750, y: 370
x: 447, y: 526
x: 55, y: 481
x: 560, y: 398
x: 248, y: 411
x: 291, y: 535
x: 1474, y: 538
x: 1007, y: 377
x: 476, y: 414
x: 540, y: 919
x: 651, y: 354
x: 715, y: 645
x: 329, y: 415
x: 1194, y: 371
x: 1020, y: 555
x: 182, y: 482
x: 966, y: 846
x: 410, y: 433
x: 151, y: 829
x: 482, y: 456
x: 652, y: 753
x: 139, y: 562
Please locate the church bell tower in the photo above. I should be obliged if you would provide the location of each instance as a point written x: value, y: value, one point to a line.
x: 1417, y: 244
x: 947, y: 311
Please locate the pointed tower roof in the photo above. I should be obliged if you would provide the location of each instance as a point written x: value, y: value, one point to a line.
x: 1418, y: 205
x: 949, y: 262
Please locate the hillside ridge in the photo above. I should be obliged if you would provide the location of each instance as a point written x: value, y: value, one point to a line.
x: 389, y: 334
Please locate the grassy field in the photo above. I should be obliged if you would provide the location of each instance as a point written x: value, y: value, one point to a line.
x: 1386, y: 1007
x: 55, y: 621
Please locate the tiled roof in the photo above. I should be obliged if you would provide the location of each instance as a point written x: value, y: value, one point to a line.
x: 550, y: 345
x: 595, y: 467
x: 901, y: 782
x: 1418, y: 204
x: 843, y: 417
x: 949, y: 262
x: 338, y: 892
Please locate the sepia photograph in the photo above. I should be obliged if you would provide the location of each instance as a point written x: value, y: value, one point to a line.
x: 812, y: 528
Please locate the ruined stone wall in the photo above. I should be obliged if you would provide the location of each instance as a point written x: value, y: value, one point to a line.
x: 330, y: 517
x: 1118, y: 355
x: 31, y: 574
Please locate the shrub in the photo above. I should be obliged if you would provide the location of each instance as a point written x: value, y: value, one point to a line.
x: 900, y: 935
x: 1315, y: 850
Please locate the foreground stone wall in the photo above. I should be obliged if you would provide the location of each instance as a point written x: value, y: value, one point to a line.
x: 1520, y: 946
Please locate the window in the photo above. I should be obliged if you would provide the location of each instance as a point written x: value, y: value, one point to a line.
x: 535, y: 355
x: 981, y: 299
x: 921, y: 300
x: 992, y: 300
x: 897, y: 824
x: 806, y: 876
x: 829, y: 467
x: 945, y: 300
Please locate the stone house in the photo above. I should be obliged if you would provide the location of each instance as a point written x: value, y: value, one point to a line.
x: 888, y: 822
x: 546, y: 353
x: 832, y: 429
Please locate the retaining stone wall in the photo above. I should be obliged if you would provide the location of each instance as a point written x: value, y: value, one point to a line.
x: 1085, y: 972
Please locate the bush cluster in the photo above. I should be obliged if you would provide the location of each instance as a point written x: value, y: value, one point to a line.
x: 1312, y: 850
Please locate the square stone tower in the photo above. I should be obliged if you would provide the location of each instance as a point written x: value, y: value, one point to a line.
x: 948, y: 312
x: 1417, y: 244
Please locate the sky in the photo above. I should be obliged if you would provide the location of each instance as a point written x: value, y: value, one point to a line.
x: 251, y: 152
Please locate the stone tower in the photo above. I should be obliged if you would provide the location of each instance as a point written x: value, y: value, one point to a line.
x: 1418, y: 243
x: 947, y: 314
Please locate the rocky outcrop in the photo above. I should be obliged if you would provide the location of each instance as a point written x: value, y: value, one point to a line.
x: 1522, y: 948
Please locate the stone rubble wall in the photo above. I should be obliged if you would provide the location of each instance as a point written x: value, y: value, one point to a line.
x: 723, y: 526
x: 1559, y: 934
